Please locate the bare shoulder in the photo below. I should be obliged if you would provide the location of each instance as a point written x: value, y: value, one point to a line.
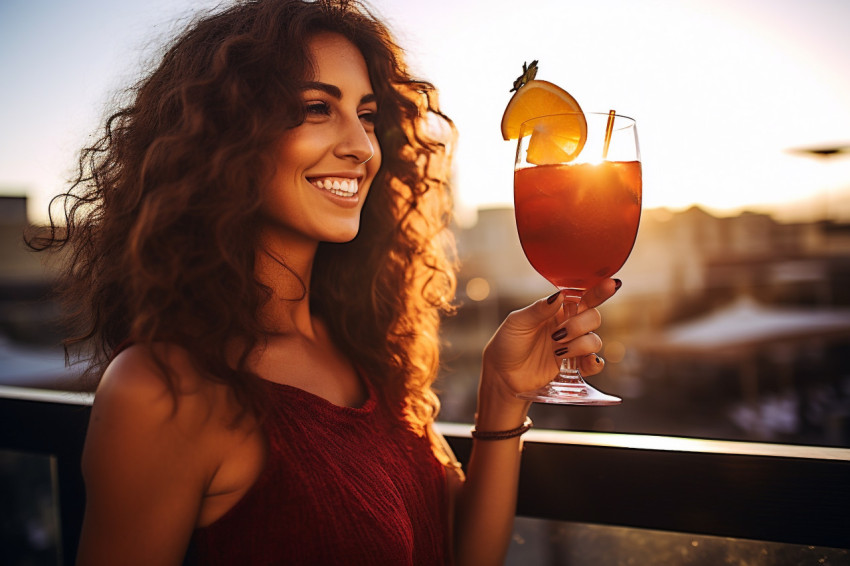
x: 138, y: 374
x: 148, y: 458
x: 137, y: 408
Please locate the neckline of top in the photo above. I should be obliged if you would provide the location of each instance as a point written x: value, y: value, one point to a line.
x: 317, y: 400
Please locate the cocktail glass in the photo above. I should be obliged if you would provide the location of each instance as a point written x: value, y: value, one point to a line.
x: 578, y: 205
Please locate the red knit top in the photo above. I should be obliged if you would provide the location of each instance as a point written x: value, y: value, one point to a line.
x: 341, y: 485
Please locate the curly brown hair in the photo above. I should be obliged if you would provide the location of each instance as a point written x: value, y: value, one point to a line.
x: 160, y: 222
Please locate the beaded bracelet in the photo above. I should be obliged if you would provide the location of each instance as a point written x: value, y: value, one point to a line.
x: 503, y: 434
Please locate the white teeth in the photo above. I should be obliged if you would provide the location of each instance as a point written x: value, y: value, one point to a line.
x: 338, y: 186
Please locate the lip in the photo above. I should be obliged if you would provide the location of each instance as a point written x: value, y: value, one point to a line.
x: 337, y: 187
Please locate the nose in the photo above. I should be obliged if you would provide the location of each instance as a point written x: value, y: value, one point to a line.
x: 355, y: 143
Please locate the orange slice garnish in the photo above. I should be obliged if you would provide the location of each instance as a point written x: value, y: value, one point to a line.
x: 555, y: 139
x: 534, y: 99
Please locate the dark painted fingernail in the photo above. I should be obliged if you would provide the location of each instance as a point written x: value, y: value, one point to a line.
x: 552, y: 298
x: 617, y: 284
x: 561, y: 351
x: 558, y: 334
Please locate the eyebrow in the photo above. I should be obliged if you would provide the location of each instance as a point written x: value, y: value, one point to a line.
x: 336, y: 92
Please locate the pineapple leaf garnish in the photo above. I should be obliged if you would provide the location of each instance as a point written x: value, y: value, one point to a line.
x: 528, y: 74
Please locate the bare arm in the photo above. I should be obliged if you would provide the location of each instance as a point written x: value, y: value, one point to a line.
x: 144, y: 477
x: 519, y: 357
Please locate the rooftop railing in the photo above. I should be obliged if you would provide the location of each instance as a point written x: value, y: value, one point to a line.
x: 766, y: 492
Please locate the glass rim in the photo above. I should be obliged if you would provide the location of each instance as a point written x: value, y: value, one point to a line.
x: 577, y: 112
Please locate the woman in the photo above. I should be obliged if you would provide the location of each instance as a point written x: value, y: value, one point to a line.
x: 260, y: 258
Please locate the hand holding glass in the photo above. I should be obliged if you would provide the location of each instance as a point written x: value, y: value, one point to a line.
x: 577, y: 217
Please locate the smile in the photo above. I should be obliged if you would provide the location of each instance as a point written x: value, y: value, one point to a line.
x: 339, y: 186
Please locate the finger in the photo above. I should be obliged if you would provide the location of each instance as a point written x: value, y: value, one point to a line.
x: 600, y: 293
x: 578, y: 325
x: 536, y: 313
x: 591, y: 364
x: 581, y: 346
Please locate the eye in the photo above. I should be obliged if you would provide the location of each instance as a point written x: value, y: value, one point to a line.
x: 369, y: 117
x: 317, y: 108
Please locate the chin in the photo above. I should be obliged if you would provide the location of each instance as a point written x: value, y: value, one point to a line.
x: 343, y: 237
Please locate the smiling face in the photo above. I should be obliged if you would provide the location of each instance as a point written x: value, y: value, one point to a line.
x: 326, y: 164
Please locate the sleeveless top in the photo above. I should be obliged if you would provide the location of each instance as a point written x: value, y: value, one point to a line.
x: 341, y: 485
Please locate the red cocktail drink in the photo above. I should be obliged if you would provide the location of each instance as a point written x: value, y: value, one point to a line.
x: 577, y: 222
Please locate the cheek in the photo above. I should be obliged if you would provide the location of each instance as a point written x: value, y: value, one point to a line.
x: 278, y: 193
x: 290, y: 146
x: 294, y: 152
x: 302, y: 146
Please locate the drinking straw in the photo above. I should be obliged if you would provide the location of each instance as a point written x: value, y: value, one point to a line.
x: 608, y: 129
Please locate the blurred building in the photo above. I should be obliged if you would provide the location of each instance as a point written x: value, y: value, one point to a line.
x: 30, y: 337
x: 25, y: 278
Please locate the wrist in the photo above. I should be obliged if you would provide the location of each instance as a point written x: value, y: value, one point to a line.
x: 493, y: 435
x: 498, y: 408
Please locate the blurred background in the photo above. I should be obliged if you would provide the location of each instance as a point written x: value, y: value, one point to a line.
x: 733, y: 321
x: 734, y: 316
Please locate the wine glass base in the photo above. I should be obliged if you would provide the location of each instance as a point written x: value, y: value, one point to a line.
x: 569, y: 394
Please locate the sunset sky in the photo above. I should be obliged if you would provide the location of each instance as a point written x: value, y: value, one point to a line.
x: 721, y: 89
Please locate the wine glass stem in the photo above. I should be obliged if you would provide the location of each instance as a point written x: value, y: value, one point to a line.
x: 568, y: 372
